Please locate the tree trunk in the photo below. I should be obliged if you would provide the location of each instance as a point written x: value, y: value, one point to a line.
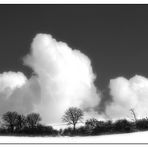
x: 11, y: 128
x: 74, y: 128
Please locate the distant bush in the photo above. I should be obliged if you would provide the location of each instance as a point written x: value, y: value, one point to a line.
x: 102, y: 127
x: 68, y: 131
x: 81, y: 131
x: 142, y: 124
x: 39, y: 130
x: 90, y: 125
x: 123, y: 126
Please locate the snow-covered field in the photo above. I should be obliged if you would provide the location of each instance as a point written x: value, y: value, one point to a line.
x: 138, y: 137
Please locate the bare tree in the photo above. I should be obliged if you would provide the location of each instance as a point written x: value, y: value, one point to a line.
x: 72, y: 116
x: 33, y: 119
x: 134, y: 115
x: 10, y: 120
x: 91, y: 123
x: 21, y: 122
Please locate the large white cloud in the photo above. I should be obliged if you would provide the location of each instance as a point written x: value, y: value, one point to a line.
x: 65, y: 77
x: 17, y: 93
x: 126, y: 95
x: 11, y: 80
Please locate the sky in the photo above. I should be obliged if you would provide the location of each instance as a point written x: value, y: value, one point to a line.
x: 113, y: 37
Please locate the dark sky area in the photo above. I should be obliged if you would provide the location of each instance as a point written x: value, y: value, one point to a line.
x: 115, y: 37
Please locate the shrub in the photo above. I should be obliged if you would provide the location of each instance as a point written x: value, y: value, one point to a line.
x: 142, y: 124
x: 123, y: 126
x: 68, y: 132
x: 102, y: 127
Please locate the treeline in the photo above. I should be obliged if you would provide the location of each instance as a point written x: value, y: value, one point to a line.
x: 95, y: 127
x: 92, y: 126
x: 13, y: 123
x: 17, y: 124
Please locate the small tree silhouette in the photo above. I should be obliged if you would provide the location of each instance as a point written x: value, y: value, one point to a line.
x: 33, y: 120
x: 91, y: 123
x: 134, y: 115
x: 10, y: 120
x: 21, y: 122
x: 72, y: 116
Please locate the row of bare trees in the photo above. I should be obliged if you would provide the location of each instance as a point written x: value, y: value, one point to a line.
x: 14, y: 121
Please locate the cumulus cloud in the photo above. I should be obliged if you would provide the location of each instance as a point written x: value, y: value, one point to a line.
x: 126, y: 95
x: 17, y: 93
x: 65, y: 76
x: 11, y: 80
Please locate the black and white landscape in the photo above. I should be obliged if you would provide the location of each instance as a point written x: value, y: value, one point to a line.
x: 73, y: 70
